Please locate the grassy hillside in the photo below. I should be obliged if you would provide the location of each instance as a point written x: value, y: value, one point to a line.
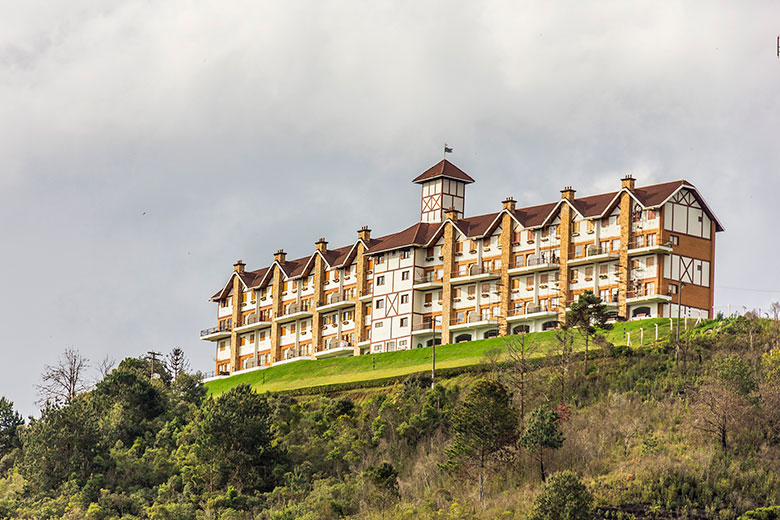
x: 303, y: 374
x: 636, y: 433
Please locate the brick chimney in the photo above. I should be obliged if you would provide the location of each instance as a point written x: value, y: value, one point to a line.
x: 568, y: 193
x: 239, y: 266
x: 321, y: 244
x: 364, y: 234
x: 451, y: 214
x: 509, y: 204
x: 628, y: 182
x: 280, y: 256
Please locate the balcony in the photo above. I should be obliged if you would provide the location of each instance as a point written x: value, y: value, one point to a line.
x: 531, y: 311
x: 595, y: 254
x: 427, y: 281
x: 253, y: 322
x: 335, y: 348
x: 476, y: 274
x: 471, y: 320
x: 336, y: 301
x: 426, y: 326
x: 215, y: 333
x: 636, y: 247
x: 537, y: 263
x: 293, y: 311
x: 644, y: 296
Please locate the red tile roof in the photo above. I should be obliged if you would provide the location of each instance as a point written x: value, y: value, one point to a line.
x: 656, y: 194
x: 417, y: 234
x: 443, y: 168
x: 593, y: 205
x: 533, y: 216
x: 336, y: 256
x: 421, y: 233
x: 477, y: 225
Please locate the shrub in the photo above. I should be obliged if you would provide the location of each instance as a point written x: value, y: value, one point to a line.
x: 564, y: 497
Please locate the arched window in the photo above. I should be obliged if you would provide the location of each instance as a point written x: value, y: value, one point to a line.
x: 521, y: 329
x: 642, y: 312
x: 492, y: 333
x: 462, y: 337
x: 548, y: 325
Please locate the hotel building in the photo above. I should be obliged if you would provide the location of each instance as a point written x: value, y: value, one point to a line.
x: 450, y: 278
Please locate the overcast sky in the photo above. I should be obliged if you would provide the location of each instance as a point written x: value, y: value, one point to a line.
x: 145, y: 146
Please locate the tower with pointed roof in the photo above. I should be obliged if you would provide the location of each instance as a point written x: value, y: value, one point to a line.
x: 443, y: 187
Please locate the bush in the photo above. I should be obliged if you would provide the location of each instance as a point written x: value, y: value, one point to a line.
x: 762, y: 513
x: 564, y: 497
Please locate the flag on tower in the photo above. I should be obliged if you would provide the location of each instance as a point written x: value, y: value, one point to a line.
x: 447, y: 149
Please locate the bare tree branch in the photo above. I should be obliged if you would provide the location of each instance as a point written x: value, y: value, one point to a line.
x: 105, y: 366
x: 61, y: 383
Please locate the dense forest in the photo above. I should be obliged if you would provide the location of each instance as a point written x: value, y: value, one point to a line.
x: 668, y: 430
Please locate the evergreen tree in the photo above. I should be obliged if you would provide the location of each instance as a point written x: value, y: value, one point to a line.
x: 62, y: 444
x: 10, y: 420
x: 587, y: 313
x: 564, y: 497
x: 234, y: 441
x: 177, y: 363
x: 542, y: 433
x: 485, y: 425
x: 384, y: 479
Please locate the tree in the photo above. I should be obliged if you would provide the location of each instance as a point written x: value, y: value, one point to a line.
x: 542, y: 433
x: 126, y: 402
x: 587, y: 313
x: 562, y: 348
x: 774, y: 308
x: 144, y: 367
x: 725, y: 398
x: 485, y: 426
x: 61, y: 383
x: 564, y: 497
x: 518, y: 352
x: 177, y: 362
x: 384, y: 479
x: 62, y: 444
x: 105, y: 366
x: 10, y: 420
x: 234, y: 440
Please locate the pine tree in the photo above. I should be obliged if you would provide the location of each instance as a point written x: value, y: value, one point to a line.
x: 485, y: 425
x: 542, y: 433
x: 587, y: 313
x: 177, y: 362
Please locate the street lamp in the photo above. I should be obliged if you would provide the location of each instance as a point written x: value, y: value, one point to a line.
x: 433, y: 358
x: 679, y: 311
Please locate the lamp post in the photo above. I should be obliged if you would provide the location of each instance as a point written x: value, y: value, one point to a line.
x: 433, y: 357
x: 679, y: 312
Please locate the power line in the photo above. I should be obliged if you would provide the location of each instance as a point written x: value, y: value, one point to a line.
x: 749, y: 289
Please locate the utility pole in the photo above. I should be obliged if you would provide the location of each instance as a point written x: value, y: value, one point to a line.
x: 153, y: 355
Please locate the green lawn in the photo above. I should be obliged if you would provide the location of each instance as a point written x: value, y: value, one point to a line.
x: 302, y: 374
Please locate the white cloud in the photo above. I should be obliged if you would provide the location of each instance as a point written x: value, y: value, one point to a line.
x: 244, y: 127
